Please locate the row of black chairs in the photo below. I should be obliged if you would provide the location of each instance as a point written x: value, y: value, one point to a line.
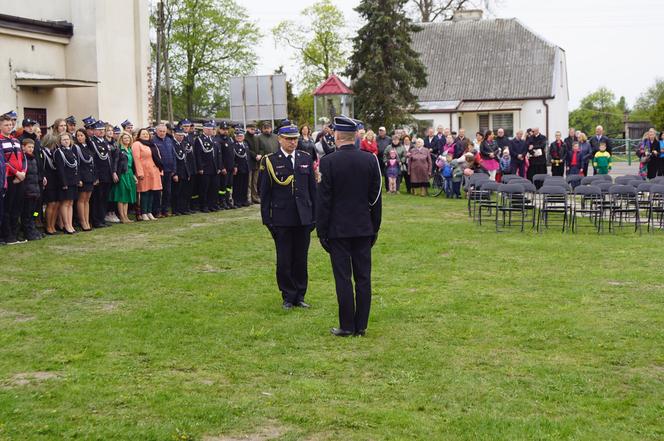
x: 630, y: 200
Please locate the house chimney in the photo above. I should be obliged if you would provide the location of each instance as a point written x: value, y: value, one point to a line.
x: 467, y: 15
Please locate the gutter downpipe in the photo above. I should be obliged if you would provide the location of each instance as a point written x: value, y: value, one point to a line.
x: 546, y: 105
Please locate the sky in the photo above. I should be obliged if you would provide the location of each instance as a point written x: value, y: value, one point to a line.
x: 613, y: 43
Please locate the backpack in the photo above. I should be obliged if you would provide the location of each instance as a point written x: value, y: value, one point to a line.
x: 447, y: 171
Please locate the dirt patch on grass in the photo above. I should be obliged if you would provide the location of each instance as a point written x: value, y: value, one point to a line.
x: 15, y: 316
x: 30, y: 378
x: 265, y: 433
x: 99, y: 305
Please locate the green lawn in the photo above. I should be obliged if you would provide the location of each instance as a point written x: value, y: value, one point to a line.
x: 174, y: 330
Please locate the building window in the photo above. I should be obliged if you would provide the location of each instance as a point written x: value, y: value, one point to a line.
x: 504, y: 121
x: 38, y: 115
x: 484, y: 122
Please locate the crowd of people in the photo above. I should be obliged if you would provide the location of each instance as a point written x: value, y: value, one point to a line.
x: 73, y: 178
x: 78, y: 178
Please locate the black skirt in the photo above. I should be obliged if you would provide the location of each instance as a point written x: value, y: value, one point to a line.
x: 50, y: 194
x: 70, y: 194
x: 87, y: 187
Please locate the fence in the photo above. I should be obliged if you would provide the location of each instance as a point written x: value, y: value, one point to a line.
x: 625, y: 149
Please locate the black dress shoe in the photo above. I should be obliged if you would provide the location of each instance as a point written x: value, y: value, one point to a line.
x: 287, y: 306
x: 338, y: 332
x: 303, y: 305
x: 360, y: 333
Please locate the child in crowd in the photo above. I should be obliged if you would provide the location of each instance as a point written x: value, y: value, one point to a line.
x: 393, y: 168
x: 457, y: 175
x: 506, y: 162
x: 602, y: 160
x: 575, y: 161
x: 31, y: 192
x: 447, y: 173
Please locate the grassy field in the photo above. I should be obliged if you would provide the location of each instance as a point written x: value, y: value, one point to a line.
x: 174, y: 330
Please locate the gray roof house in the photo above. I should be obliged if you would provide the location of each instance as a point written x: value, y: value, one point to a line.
x: 486, y: 74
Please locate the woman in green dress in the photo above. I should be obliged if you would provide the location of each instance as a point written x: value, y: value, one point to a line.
x: 124, y: 190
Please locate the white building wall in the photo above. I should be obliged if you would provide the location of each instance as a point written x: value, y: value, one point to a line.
x: 110, y: 45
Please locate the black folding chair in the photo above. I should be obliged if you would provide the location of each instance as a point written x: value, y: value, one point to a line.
x: 553, y: 200
x: 656, y: 208
x: 510, y: 201
x: 574, y: 180
x: 488, y: 200
x: 626, y: 180
x: 473, y: 193
x: 623, y: 207
x: 607, y: 178
x: 587, y: 201
x: 539, y: 179
x: 658, y: 180
x: 506, y: 179
x: 589, y: 180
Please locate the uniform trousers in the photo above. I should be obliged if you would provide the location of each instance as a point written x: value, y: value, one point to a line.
x: 99, y: 203
x: 181, y: 195
x: 240, y: 184
x: 351, y: 257
x: 207, y: 191
x: 292, y: 244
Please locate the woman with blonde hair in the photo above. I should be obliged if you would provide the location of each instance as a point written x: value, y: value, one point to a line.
x: 67, y: 165
x: 124, y: 190
x: 369, y: 143
x: 59, y: 126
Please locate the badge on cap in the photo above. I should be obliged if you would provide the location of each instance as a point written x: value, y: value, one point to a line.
x: 343, y: 123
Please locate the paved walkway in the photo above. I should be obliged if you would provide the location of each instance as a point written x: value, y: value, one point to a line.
x: 622, y: 169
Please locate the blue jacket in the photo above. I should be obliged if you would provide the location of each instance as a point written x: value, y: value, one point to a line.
x: 167, y: 151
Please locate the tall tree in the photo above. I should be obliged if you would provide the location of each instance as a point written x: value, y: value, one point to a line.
x: 650, y: 103
x: 209, y: 41
x: 432, y: 10
x: 384, y: 67
x: 600, y: 108
x: 319, y: 43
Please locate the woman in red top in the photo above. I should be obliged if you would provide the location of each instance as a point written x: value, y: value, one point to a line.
x: 16, y: 168
x: 369, y: 143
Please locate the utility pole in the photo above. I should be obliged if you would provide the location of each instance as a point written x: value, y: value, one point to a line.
x: 167, y: 71
x: 160, y: 33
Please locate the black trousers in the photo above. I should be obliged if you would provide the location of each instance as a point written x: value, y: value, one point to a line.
x: 98, y: 203
x: 557, y: 170
x: 536, y: 169
x: 180, y: 196
x: 351, y: 257
x: 292, y: 244
x: 240, y: 188
x: 28, y: 215
x: 207, y: 191
x: 162, y: 201
x: 13, y: 208
x: 228, y: 185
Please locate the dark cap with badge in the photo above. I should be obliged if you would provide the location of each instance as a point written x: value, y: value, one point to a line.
x: 11, y: 114
x: 89, y: 122
x: 288, y: 129
x: 224, y: 125
x: 185, y: 122
x: 117, y: 130
x: 210, y: 124
x: 239, y: 131
x: 343, y: 123
x: 99, y: 125
x: 126, y: 123
x: 70, y: 120
x: 28, y: 122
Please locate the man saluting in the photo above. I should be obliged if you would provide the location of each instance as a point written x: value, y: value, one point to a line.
x: 347, y: 220
x: 288, y: 192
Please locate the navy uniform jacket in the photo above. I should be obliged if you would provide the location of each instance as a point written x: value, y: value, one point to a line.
x: 207, y: 155
x: 349, y: 201
x: 103, y: 160
x: 241, y: 154
x: 188, y: 147
x: 184, y: 166
x: 86, y: 163
x: 225, y: 152
x: 594, y: 143
x: 67, y: 165
x: 291, y: 205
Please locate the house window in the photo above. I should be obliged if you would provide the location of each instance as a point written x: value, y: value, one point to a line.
x: 484, y: 122
x: 504, y: 121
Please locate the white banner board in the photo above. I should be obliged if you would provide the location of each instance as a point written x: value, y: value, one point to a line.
x: 258, y: 98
